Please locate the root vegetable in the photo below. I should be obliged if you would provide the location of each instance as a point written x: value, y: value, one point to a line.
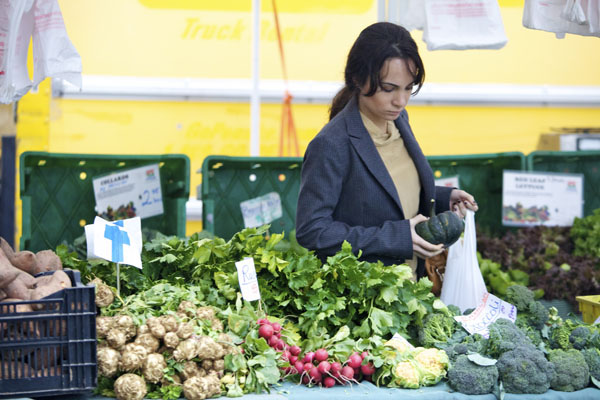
x: 198, y: 388
x: 132, y: 357
x: 130, y: 387
x: 216, y: 325
x: 20, y: 288
x: 186, y: 350
x: 3, y: 295
x: 186, y: 330
x: 16, y: 370
x: 219, y: 365
x: 207, y: 364
x: 116, y: 338
x: 148, y: 341
x: 104, y: 325
x: 226, y: 344
x: 143, y: 329
x: 170, y: 323
x: 8, y: 273
x: 205, y: 313
x: 154, y: 366
x: 108, y: 361
x: 188, y: 308
x: 104, y: 294
x: 126, y: 324
x: 47, y: 260
x: 190, y: 368
x: 156, y: 327
x: 6, y: 248
x: 171, y: 340
x: 25, y: 261
x: 207, y: 348
x: 59, y: 281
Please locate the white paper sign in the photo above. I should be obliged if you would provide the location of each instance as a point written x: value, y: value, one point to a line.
x: 119, y: 241
x: 490, y: 309
x: 451, y: 181
x: 532, y: 198
x: 247, y: 279
x: 138, y: 186
x: 261, y: 210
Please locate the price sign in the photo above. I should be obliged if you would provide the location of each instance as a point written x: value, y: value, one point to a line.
x: 129, y: 193
x: 247, y: 279
x: 261, y: 210
x: 489, y: 310
x: 533, y: 198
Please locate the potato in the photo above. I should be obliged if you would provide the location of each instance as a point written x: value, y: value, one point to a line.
x: 47, y: 260
x: 25, y: 261
x: 21, y: 287
x: 8, y: 250
x: 60, y: 280
x: 8, y: 273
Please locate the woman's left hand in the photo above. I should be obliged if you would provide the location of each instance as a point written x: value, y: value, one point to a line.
x: 461, y: 201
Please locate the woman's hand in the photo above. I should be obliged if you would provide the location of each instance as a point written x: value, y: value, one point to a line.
x: 421, y: 247
x: 461, y: 201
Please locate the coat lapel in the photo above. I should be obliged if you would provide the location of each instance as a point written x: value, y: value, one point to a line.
x: 364, y: 146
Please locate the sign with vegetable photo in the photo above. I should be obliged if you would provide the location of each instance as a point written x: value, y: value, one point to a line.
x: 531, y: 198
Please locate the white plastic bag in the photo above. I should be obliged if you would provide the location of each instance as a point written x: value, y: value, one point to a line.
x: 463, y: 283
x: 463, y: 24
x: 53, y: 53
x: 409, y: 14
x: 562, y: 16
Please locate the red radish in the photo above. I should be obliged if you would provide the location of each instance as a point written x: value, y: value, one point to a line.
x: 273, y: 340
x: 308, y: 357
x: 278, y: 334
x: 367, y: 369
x: 299, y: 366
x: 295, y: 350
x: 364, y: 354
x: 321, y: 355
x: 329, y: 382
x: 305, y: 379
x: 286, y: 356
x: 292, y: 359
x: 289, y: 370
x: 336, y: 367
x: 262, y: 321
x: 280, y: 344
x: 308, y: 366
x: 276, y: 327
x: 315, y: 374
x: 355, y: 360
x: 347, y: 373
x: 265, y: 331
x: 324, y: 367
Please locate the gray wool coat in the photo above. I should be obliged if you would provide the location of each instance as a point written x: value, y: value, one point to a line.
x: 346, y: 193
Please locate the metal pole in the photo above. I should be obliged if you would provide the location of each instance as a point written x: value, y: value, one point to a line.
x: 255, y: 96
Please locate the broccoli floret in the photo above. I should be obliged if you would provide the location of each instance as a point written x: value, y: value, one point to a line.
x: 504, y: 335
x: 580, y: 337
x: 533, y: 334
x: 469, y: 378
x: 436, y: 328
x: 454, y: 309
x: 560, y: 334
x: 525, y: 370
x: 592, y: 358
x: 536, y: 315
x: 520, y: 296
x: 572, y: 372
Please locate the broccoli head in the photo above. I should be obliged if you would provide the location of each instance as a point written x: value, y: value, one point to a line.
x: 560, y: 334
x: 469, y: 378
x: 504, y: 335
x: 580, y: 337
x: 437, y: 328
x: 520, y: 296
x: 525, y: 369
x: 572, y: 372
x: 454, y: 309
x: 592, y: 358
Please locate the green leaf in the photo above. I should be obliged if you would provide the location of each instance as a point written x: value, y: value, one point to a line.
x: 481, y: 360
x: 380, y: 319
x: 389, y: 294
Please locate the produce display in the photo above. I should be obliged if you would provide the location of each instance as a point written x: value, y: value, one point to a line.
x: 179, y: 326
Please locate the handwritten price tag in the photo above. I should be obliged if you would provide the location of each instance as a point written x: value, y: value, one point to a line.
x: 247, y: 279
x: 261, y: 210
x: 490, y: 309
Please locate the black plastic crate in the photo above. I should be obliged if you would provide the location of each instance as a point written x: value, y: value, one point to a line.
x: 51, y: 351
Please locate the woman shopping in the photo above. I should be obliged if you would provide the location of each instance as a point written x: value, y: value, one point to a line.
x: 365, y: 179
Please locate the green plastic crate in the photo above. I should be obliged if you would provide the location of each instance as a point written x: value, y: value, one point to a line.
x: 227, y: 181
x: 572, y: 162
x: 58, y: 196
x: 481, y: 176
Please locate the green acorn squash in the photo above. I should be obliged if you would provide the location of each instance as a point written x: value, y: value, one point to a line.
x: 443, y: 228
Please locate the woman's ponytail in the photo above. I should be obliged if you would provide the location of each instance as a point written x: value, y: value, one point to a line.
x: 340, y: 100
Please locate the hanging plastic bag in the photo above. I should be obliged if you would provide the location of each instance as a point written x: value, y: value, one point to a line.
x: 561, y: 17
x: 16, y: 28
x: 463, y: 283
x: 463, y: 24
x: 53, y: 53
